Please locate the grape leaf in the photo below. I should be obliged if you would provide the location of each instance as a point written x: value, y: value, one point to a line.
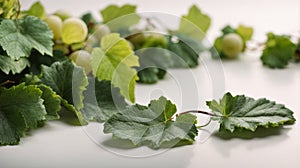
x: 21, y: 109
x: 8, y: 64
x: 119, y: 17
x: 114, y: 61
x: 19, y: 37
x: 68, y: 81
x: 153, y: 125
x: 195, y: 23
x: 245, y: 32
x: 37, y: 10
x: 241, y: 112
x: 278, y: 51
x: 52, y: 102
x: 154, y: 62
x: 101, y: 101
x: 185, y: 51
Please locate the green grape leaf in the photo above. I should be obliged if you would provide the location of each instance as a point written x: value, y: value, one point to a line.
x: 114, y: 61
x: 151, y: 75
x: 37, y: 10
x: 278, y: 51
x: 185, y: 51
x: 21, y: 109
x: 153, y: 64
x: 19, y: 37
x: 68, y: 81
x: 152, y: 125
x: 119, y: 17
x: 52, y: 102
x: 245, y: 32
x: 101, y: 101
x: 8, y: 64
x: 195, y: 24
x: 241, y: 112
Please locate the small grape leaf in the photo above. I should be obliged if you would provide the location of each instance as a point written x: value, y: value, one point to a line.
x: 114, y: 61
x: 184, y: 51
x: 37, y: 10
x: 68, y: 81
x: 8, y: 64
x: 19, y: 37
x: 153, y: 125
x: 21, y: 109
x: 241, y: 112
x: 278, y: 51
x: 119, y: 17
x: 195, y: 23
x: 101, y: 101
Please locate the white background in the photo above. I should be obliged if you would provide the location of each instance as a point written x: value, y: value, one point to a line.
x: 61, y: 145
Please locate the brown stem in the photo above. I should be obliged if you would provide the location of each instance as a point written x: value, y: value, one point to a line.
x: 6, y: 82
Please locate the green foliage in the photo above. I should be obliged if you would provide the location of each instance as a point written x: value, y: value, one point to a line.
x: 152, y: 125
x: 101, y: 101
x: 118, y: 18
x: 19, y: 37
x: 194, y: 24
x: 8, y: 64
x: 278, y: 51
x: 37, y: 9
x: 68, y: 81
x: 114, y: 61
x: 241, y: 112
x: 21, y: 109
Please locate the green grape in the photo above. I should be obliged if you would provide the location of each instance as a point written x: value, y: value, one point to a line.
x: 74, y: 30
x: 63, y: 14
x: 55, y: 24
x: 231, y: 45
x: 83, y: 59
x: 101, y: 30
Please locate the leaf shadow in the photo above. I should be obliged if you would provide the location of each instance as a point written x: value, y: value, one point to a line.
x: 126, y: 144
x: 118, y: 143
x: 261, y: 132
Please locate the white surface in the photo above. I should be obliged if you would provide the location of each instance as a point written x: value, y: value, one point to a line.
x: 61, y: 145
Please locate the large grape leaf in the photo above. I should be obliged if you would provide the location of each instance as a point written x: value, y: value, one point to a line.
x: 21, y: 108
x: 241, y: 112
x: 195, y: 23
x: 8, y: 64
x: 278, y: 51
x: 119, y: 17
x: 19, y: 37
x: 101, y: 101
x: 153, y: 125
x: 68, y: 81
x: 115, y: 61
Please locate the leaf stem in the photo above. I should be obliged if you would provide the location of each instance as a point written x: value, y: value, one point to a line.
x: 7, y: 82
x: 198, y: 112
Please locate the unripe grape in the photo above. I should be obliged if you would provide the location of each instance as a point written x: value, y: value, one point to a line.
x: 82, y: 58
x: 232, y: 45
x: 62, y: 14
x: 55, y: 24
x: 74, y: 30
x: 101, y: 30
